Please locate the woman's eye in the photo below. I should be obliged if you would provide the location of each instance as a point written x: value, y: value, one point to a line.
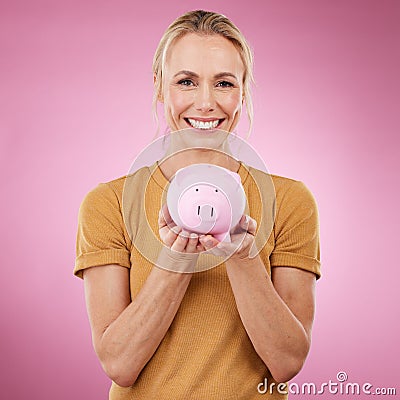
x: 224, y: 84
x: 185, y: 82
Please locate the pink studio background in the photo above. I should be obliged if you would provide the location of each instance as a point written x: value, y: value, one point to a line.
x: 75, y: 104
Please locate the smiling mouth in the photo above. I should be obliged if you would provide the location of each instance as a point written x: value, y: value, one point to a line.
x: 204, y: 125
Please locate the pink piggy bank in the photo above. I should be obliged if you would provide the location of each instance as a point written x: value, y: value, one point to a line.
x: 206, y: 199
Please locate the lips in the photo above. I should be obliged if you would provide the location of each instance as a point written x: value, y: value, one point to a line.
x: 203, y: 124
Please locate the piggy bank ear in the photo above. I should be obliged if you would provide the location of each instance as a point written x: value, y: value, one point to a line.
x: 181, y: 175
x: 235, y: 176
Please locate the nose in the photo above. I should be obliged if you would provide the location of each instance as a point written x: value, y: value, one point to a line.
x: 204, y: 99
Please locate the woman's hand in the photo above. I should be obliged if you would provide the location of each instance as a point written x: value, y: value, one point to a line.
x: 242, y: 245
x: 175, y: 237
x: 181, y: 248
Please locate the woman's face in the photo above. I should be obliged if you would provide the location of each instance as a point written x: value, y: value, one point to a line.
x: 203, y: 83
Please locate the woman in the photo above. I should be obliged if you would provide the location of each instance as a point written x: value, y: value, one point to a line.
x: 219, y: 333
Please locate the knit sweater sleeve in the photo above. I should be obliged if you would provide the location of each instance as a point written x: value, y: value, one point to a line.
x: 101, y: 238
x: 296, y: 230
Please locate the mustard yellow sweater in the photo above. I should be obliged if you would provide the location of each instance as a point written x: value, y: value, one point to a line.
x: 206, y: 353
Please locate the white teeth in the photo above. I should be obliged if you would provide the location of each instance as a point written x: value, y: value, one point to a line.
x: 203, y: 124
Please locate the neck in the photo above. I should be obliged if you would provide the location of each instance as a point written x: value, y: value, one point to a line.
x: 189, y: 147
x: 170, y: 164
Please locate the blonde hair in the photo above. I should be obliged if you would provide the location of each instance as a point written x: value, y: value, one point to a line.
x: 204, y: 23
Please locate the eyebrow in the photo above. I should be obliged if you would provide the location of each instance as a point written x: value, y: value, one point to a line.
x: 185, y: 72
x: 225, y: 74
x: 217, y: 76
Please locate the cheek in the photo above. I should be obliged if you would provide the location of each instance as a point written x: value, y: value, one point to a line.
x: 231, y: 103
x: 177, y: 101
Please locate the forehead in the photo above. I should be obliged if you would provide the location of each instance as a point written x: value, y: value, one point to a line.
x: 204, y: 54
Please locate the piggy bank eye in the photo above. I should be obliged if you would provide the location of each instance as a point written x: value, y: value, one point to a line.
x: 197, y: 189
x: 216, y: 190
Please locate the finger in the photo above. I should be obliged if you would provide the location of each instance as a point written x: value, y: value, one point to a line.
x: 165, y: 216
x: 161, y: 219
x: 208, y: 241
x: 244, y: 222
x: 249, y: 224
x: 180, y: 242
x: 252, y: 227
x: 191, y: 246
x: 200, y: 248
x: 162, y: 231
x: 171, y: 236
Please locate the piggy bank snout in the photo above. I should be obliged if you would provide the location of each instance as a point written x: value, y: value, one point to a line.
x: 203, y: 207
x: 207, y: 212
